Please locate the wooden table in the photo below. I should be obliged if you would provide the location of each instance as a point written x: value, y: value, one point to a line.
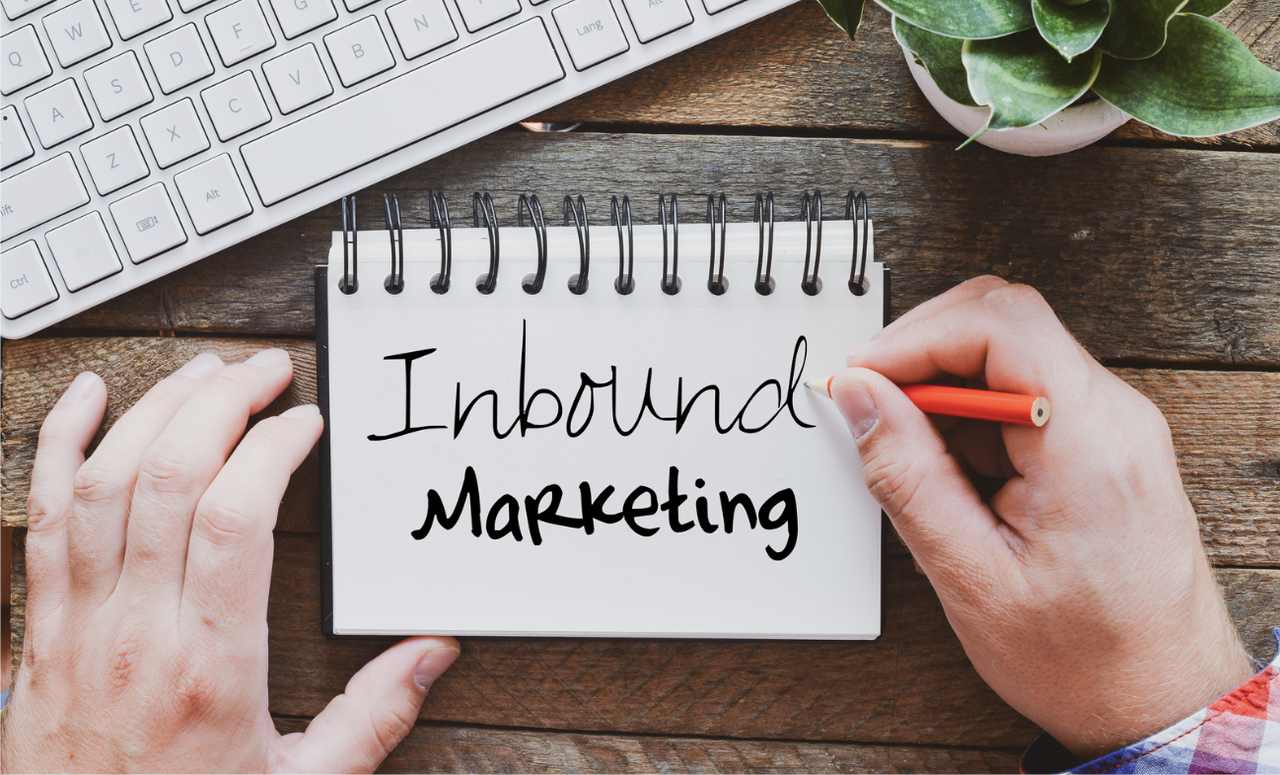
x: 1162, y: 255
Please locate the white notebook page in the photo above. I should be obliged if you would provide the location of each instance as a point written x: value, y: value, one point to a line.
x: 809, y: 566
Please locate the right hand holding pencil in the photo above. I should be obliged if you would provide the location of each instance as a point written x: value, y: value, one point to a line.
x: 1067, y: 558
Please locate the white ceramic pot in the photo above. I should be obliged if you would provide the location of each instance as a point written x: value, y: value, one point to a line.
x: 1075, y: 127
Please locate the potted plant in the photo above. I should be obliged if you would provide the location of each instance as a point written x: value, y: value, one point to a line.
x: 1040, y: 77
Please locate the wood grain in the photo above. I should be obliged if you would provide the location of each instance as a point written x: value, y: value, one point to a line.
x: 450, y: 748
x: 1226, y: 431
x: 794, y: 70
x: 913, y: 684
x: 1178, y: 246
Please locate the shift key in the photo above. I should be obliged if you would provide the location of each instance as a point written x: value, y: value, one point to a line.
x: 40, y: 194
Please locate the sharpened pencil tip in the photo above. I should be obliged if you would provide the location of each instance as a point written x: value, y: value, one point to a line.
x: 820, y: 386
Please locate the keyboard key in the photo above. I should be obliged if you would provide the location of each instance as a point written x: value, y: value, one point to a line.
x: 367, y: 126
x: 24, y: 61
x: 356, y: 5
x: 15, y: 8
x: 147, y: 223
x: 178, y: 58
x: 297, y: 78
x: 83, y: 252
x: 27, y: 284
x: 299, y: 16
x: 118, y: 86
x: 58, y: 113
x: 134, y: 17
x: 478, y: 14
x: 114, y: 160
x: 421, y: 26
x: 76, y: 32
x: 359, y: 51
x: 188, y: 6
x: 14, y: 144
x: 235, y: 106
x: 651, y: 19
x: 213, y: 194
x: 174, y: 133
x: 239, y: 31
x: 716, y: 6
x: 39, y: 194
x: 591, y: 31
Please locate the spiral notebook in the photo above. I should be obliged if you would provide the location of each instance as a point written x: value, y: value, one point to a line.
x: 597, y: 427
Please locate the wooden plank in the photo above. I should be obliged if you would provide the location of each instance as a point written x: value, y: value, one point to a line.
x: 1191, y: 273
x: 450, y: 748
x: 808, y: 76
x: 1224, y: 427
x: 913, y: 685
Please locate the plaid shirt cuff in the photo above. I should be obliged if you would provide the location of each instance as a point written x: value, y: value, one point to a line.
x: 1240, y: 733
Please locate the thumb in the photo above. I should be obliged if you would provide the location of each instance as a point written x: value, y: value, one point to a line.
x: 931, y: 502
x: 359, y: 727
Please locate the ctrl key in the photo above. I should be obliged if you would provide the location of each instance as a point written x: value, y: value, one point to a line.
x: 147, y: 223
x: 27, y: 284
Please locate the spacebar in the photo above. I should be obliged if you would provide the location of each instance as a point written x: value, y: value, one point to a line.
x: 401, y: 111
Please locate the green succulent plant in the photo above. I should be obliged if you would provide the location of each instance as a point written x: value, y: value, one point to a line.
x: 1164, y: 62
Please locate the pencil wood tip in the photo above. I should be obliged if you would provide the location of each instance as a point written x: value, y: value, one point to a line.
x: 1040, y: 411
x: 820, y: 386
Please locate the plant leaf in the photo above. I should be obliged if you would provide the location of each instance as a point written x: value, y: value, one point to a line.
x: 1071, y: 29
x: 940, y: 56
x: 1205, y: 7
x: 847, y: 14
x: 1023, y: 80
x: 1139, y: 28
x: 964, y: 18
x: 1203, y: 82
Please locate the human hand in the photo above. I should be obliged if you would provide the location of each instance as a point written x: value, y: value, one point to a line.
x: 1077, y: 583
x: 148, y: 567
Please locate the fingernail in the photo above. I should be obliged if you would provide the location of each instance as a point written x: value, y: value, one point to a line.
x: 857, y: 406
x: 82, y: 386
x: 302, y: 410
x: 199, y: 366
x: 433, y: 663
x: 269, y: 358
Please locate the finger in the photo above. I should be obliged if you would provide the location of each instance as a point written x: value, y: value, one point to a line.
x: 359, y: 727
x: 183, y: 460
x: 980, y: 445
x: 973, y: 288
x: 1009, y: 337
x: 229, y: 556
x: 104, y: 484
x: 66, y: 432
x: 932, y: 504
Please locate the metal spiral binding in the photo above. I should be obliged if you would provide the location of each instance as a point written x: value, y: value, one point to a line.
x: 620, y: 215
x: 482, y: 203
x: 670, y: 282
x: 716, y: 282
x: 578, y: 211
x: 533, y: 283
x: 764, y: 210
x: 811, y: 210
x: 395, y: 235
x: 858, y: 210
x: 440, y: 220
x: 350, y: 255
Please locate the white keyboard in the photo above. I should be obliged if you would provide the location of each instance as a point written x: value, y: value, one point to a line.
x: 139, y: 136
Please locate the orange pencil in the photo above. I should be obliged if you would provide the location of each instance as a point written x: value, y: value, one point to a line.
x: 970, y: 403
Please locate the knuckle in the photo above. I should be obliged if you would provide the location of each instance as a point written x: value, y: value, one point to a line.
x: 195, y: 688
x: 986, y: 282
x: 1017, y: 299
x: 95, y: 482
x: 389, y: 726
x: 43, y: 512
x: 165, y: 471
x: 222, y: 523
x: 893, y: 483
x: 124, y: 657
